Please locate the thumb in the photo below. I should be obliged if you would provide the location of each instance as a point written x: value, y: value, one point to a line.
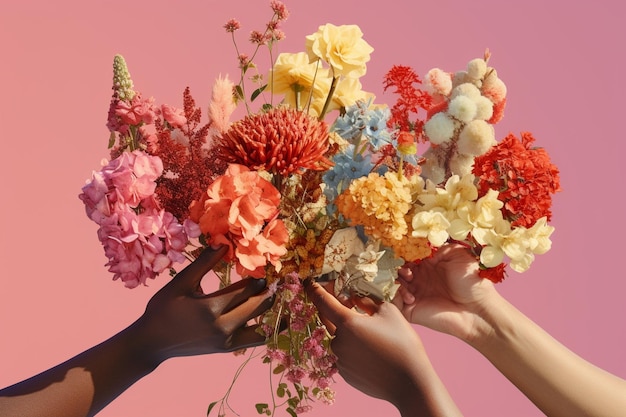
x: 326, y: 303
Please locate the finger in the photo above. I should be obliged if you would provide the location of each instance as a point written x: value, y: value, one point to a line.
x: 405, y: 274
x: 366, y: 304
x: 188, y: 280
x: 247, y: 310
x: 230, y: 297
x: 326, y: 303
x: 245, y: 337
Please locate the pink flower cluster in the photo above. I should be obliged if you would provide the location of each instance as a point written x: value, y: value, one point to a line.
x: 240, y: 210
x: 141, y: 114
x: 140, y: 239
x: 307, y: 356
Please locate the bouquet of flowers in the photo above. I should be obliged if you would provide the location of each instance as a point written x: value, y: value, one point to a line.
x: 318, y: 181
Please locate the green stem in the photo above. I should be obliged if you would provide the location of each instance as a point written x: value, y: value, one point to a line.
x: 329, y: 98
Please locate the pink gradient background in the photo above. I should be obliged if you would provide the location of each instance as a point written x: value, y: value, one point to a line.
x: 563, y: 66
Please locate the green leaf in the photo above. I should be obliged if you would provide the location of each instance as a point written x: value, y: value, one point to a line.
x: 213, y: 404
x: 279, y: 369
x: 280, y: 391
x: 261, y: 408
x: 258, y: 91
x: 239, y: 92
x: 267, y: 107
x: 111, y: 140
x: 292, y: 412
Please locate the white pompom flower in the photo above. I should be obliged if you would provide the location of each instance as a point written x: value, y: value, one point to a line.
x: 462, y: 108
x: 439, y: 128
x: 476, y: 138
x: 465, y: 89
x: 484, y: 108
x: 438, y: 81
x: 476, y: 68
x: 461, y: 164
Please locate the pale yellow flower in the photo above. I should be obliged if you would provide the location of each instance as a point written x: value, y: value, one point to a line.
x: 432, y: 225
x: 491, y: 256
x: 488, y: 210
x: 348, y: 92
x: 342, y: 47
x: 539, y: 236
x: 296, y: 78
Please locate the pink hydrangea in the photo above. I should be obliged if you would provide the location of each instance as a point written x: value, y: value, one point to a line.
x: 140, y: 239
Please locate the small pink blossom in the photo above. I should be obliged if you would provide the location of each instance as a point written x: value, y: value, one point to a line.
x: 257, y: 37
x: 280, y: 10
x: 232, y: 25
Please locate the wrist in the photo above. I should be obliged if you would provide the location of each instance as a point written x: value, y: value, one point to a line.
x: 493, y: 322
x: 141, y: 347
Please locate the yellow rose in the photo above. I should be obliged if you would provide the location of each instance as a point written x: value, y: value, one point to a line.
x: 294, y: 73
x: 342, y: 47
x: 347, y: 93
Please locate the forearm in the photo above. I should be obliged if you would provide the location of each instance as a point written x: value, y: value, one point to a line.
x: 554, y: 378
x: 83, y: 385
x: 427, y: 396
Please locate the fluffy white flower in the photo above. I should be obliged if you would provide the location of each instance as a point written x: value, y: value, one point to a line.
x: 438, y: 81
x: 493, y: 87
x: 433, y: 171
x: 439, y: 128
x: 476, y: 138
x: 476, y: 68
x: 465, y: 89
x: 484, y: 108
x: 461, y: 164
x: 462, y: 108
x: 459, y: 78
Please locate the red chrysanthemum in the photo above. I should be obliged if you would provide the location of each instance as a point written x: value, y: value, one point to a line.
x: 524, y: 177
x: 282, y: 141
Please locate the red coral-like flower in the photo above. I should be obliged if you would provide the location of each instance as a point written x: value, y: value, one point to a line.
x: 524, y: 177
x: 282, y: 141
x: 495, y: 274
x: 411, y: 99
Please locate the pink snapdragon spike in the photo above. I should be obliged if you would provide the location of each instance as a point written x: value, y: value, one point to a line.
x: 140, y: 239
x: 240, y: 209
x: 139, y: 110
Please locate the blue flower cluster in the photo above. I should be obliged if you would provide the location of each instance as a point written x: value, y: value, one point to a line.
x: 360, y: 122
